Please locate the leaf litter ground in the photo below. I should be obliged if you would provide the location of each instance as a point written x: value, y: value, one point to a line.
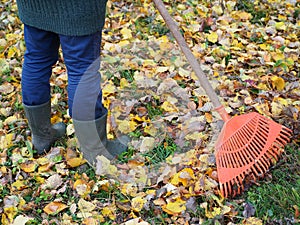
x: 168, y: 175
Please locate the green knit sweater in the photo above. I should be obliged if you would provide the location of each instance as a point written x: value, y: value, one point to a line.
x: 67, y: 17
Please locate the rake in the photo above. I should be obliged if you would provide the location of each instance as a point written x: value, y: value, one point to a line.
x: 248, y: 144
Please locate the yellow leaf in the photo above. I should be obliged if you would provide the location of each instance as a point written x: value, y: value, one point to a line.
x: 280, y: 26
x: 85, y: 206
x: 262, y: 86
x: 126, y: 33
x: 262, y: 108
x: 209, y: 117
x: 104, y: 167
x: 82, y: 187
x: 194, y: 136
x: 244, y: 15
x: 150, y: 130
x: 9, y: 214
x: 75, y: 162
x: 89, y: 221
x: 29, y: 166
x: 43, y: 161
x: 169, y: 107
x: 19, y: 185
x: 213, y: 37
x: 277, y: 105
x: 276, y: 108
x: 215, y: 211
x: 161, y: 69
x: 264, y: 46
x: 26, y: 153
x: 39, y: 179
x: 278, y: 83
x: 123, y: 83
x: 109, y: 211
x: 137, y: 203
x: 278, y: 56
x: 10, y: 120
x: 184, y: 177
x: 217, y: 9
x: 108, y: 89
x: 12, y: 51
x: 126, y: 126
x: 175, y: 207
x: 253, y: 221
x: 6, y: 141
x: 54, y: 207
x: 123, y: 43
x: 184, y: 73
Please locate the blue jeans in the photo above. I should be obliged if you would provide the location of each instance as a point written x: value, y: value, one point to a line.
x: 82, y: 59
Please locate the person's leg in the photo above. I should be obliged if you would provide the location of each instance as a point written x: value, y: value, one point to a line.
x: 41, y: 54
x: 82, y: 58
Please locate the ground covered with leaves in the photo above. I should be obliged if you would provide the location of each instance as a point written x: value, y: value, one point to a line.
x: 250, y: 52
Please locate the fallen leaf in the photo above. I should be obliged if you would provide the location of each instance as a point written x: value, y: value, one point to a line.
x: 252, y: 221
x: 70, y: 129
x: 6, y: 88
x: 278, y: 83
x: 175, y: 207
x: 147, y: 144
x: 109, y: 211
x: 54, y: 207
x: 137, y: 203
x: 126, y: 33
x: 213, y: 37
x: 21, y: 220
x: 280, y: 26
x: 85, y: 206
x: 75, y: 162
x: 29, y: 166
x: 53, y: 182
x: 104, y: 167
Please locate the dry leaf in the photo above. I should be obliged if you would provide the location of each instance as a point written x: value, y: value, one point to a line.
x: 175, y: 207
x: 137, y: 203
x: 75, y: 162
x: 85, y: 206
x: 21, y: 220
x: 54, y: 207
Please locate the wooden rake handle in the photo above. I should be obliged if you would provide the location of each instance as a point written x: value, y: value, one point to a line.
x: 192, y: 60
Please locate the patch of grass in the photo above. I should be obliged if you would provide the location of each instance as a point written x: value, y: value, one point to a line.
x: 158, y: 154
x: 127, y: 155
x: 254, y: 10
x: 146, y: 26
x: 276, y: 200
x: 128, y: 75
x: 155, y: 216
x: 153, y: 109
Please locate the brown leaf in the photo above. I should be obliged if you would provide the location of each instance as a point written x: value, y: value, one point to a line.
x: 54, y: 207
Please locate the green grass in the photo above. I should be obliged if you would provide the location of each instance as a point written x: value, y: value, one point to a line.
x: 254, y: 10
x: 276, y: 200
x: 158, y: 154
x: 154, y: 109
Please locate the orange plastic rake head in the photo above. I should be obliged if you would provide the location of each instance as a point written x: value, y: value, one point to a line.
x: 248, y: 145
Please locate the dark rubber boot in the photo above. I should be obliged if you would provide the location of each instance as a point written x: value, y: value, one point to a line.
x: 93, y: 141
x: 43, y: 133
